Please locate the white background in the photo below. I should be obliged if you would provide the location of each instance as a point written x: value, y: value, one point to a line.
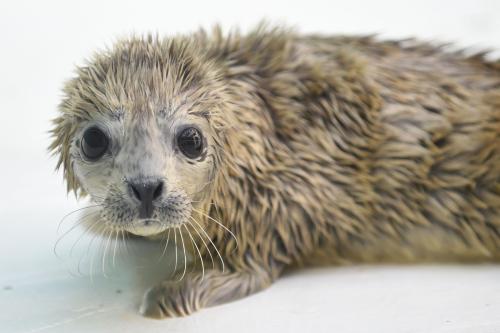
x: 42, y: 41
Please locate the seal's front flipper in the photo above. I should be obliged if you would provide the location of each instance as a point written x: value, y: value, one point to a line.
x: 195, y: 291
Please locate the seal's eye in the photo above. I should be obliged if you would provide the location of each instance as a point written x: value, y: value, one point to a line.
x: 94, y: 143
x: 190, y: 142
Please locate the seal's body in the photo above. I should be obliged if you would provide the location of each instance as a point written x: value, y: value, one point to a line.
x: 302, y: 148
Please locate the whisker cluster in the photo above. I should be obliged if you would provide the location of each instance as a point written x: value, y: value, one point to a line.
x: 113, y: 240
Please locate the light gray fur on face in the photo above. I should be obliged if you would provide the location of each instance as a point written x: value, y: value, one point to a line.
x: 143, y: 147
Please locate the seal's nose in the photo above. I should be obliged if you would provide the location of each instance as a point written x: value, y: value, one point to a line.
x: 146, y: 193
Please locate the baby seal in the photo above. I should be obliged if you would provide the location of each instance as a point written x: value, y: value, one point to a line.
x: 272, y: 148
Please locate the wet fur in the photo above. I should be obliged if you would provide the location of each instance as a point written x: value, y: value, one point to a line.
x: 327, y: 149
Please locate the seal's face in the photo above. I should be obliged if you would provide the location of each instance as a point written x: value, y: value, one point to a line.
x: 135, y: 134
x: 145, y: 172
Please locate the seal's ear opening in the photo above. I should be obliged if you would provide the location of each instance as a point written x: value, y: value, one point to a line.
x: 62, y: 133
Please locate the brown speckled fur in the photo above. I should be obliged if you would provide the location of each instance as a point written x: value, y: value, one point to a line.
x: 329, y: 149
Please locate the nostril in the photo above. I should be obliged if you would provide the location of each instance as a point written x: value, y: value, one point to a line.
x: 135, y: 192
x: 146, y: 191
x: 158, y: 190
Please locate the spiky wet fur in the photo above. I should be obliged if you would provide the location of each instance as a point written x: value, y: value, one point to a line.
x: 329, y: 149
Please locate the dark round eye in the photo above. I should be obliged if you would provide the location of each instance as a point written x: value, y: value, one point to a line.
x: 94, y: 143
x: 190, y: 142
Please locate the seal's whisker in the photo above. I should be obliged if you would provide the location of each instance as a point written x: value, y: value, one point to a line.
x: 80, y: 209
x: 79, y: 222
x: 104, y: 230
x: 215, y: 247
x: 166, y: 245
x: 85, y: 231
x: 103, y: 245
x: 163, y: 238
x: 72, y: 212
x: 184, y: 250
x: 197, y: 250
x: 127, y: 248
x: 122, y: 246
x: 114, y: 249
x: 175, y: 241
x: 125, y: 238
x: 95, y: 224
x: 98, y: 231
x: 220, y: 224
x: 122, y: 243
x: 122, y: 236
x: 105, y: 253
x: 204, y: 243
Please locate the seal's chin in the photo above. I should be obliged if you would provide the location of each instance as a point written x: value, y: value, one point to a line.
x: 146, y: 228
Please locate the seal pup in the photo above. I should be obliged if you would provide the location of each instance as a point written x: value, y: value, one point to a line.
x: 272, y: 148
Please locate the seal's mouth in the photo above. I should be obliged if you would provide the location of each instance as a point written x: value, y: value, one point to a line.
x: 146, y: 227
x: 121, y: 212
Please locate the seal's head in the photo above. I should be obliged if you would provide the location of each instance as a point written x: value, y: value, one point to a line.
x: 139, y: 132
